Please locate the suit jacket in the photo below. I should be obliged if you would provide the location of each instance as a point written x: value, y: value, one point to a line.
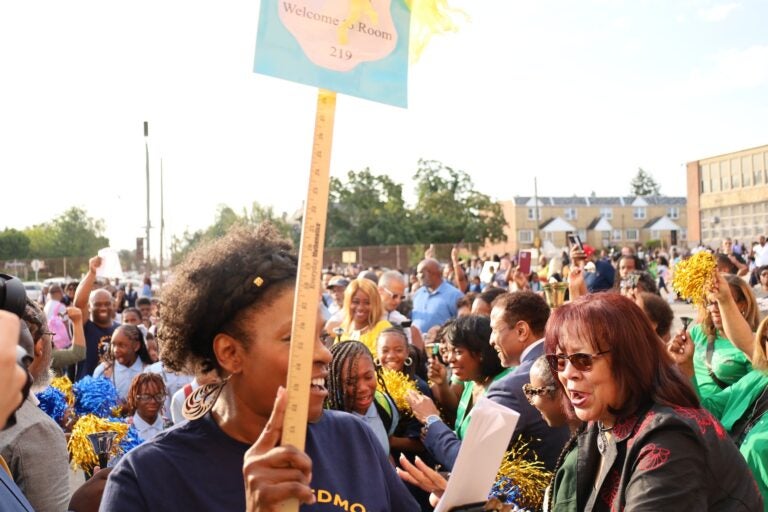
x: 544, y: 441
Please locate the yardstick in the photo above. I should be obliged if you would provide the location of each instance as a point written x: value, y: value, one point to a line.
x: 306, y: 300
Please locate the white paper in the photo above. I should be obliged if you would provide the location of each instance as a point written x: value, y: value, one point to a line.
x: 480, y: 455
x: 110, y: 264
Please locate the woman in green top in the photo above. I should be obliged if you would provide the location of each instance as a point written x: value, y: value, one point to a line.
x: 741, y: 408
x: 720, y: 360
x: 473, y: 361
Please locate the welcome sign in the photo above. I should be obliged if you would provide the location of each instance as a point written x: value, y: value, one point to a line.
x: 355, y: 47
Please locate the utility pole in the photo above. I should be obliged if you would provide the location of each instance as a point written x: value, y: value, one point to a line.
x: 148, y: 270
x: 162, y: 222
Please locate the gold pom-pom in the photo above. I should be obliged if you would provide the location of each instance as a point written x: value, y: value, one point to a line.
x: 695, y: 276
x: 64, y: 385
x: 79, y: 446
x: 398, y: 384
x: 429, y: 18
x: 522, y: 477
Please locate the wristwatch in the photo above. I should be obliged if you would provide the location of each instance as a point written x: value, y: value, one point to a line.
x: 431, y: 419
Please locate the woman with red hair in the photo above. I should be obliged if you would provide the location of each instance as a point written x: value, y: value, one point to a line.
x: 648, y: 444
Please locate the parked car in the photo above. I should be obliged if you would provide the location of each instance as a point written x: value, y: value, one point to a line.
x: 34, y: 289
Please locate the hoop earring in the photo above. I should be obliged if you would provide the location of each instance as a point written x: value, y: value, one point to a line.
x: 202, y: 400
x: 408, y: 361
x: 376, y: 361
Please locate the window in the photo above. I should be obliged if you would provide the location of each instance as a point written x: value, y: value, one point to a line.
x: 638, y: 212
x: 616, y: 235
x: 673, y: 212
x: 655, y: 235
x: 606, y: 212
x: 570, y: 213
x: 525, y: 236
x: 583, y: 235
x: 683, y: 234
x: 633, y: 235
x: 532, y: 213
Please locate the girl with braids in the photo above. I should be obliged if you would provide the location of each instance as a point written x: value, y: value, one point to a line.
x: 352, y: 382
x: 145, y: 399
x: 129, y: 358
x: 363, y: 313
x: 229, y: 309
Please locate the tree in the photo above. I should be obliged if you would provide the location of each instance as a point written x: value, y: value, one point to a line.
x: 13, y: 244
x: 643, y: 184
x: 73, y: 233
x: 226, y: 217
x: 367, y: 210
x: 450, y: 210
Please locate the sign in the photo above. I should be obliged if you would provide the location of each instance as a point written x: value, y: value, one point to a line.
x: 348, y: 256
x: 36, y: 265
x: 355, y: 47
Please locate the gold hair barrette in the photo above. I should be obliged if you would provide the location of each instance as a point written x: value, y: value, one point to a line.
x: 258, y: 281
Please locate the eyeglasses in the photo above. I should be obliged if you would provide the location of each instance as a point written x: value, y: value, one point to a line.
x: 146, y: 398
x: 531, y: 391
x: 393, y: 295
x: 582, y: 362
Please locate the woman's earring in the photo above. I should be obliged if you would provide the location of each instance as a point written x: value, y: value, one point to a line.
x: 376, y: 361
x: 408, y: 361
x: 202, y: 400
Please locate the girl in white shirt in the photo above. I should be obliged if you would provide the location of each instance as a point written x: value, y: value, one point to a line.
x: 145, y: 399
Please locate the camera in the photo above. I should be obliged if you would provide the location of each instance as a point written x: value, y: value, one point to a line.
x: 13, y: 298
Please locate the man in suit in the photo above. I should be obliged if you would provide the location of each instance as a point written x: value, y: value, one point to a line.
x: 518, y: 320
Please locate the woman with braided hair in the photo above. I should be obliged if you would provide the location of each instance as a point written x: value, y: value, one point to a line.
x: 352, y: 381
x: 229, y: 309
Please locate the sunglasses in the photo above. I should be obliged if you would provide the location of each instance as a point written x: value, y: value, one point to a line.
x: 582, y: 362
x: 393, y: 295
x: 531, y: 391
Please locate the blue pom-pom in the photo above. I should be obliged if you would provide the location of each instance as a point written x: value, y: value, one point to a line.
x: 53, y: 403
x: 131, y: 440
x: 505, y: 490
x: 94, y: 396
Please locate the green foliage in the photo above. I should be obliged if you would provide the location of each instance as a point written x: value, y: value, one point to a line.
x: 13, y: 244
x: 367, y: 210
x: 73, y: 233
x: 653, y: 245
x: 643, y: 184
x: 226, y: 217
x: 449, y: 209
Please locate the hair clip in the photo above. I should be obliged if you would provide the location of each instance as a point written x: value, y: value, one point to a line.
x: 258, y: 281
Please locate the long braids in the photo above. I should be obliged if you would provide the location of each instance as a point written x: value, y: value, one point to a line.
x: 338, y: 380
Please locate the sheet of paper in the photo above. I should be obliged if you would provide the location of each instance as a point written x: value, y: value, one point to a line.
x: 480, y: 455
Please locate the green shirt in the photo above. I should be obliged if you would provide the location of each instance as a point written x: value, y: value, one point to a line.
x: 728, y: 362
x: 731, y: 404
x: 462, y: 418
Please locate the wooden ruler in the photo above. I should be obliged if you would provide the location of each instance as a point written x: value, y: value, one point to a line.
x: 306, y: 300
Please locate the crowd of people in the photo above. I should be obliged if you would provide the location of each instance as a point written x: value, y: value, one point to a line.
x: 617, y: 410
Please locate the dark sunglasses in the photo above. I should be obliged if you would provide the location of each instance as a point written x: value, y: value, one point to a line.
x: 582, y: 362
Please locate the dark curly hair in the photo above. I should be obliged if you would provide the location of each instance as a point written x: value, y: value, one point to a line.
x: 527, y: 306
x: 213, y: 285
x: 473, y: 333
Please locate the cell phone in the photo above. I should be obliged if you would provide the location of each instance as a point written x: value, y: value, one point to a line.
x: 575, y: 240
x: 524, y: 262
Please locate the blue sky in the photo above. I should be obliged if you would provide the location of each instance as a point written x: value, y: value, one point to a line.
x: 577, y: 94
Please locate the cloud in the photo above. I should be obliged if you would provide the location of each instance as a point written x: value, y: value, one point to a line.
x: 718, y: 13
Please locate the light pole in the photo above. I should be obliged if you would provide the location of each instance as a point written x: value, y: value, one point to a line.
x: 146, y: 151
